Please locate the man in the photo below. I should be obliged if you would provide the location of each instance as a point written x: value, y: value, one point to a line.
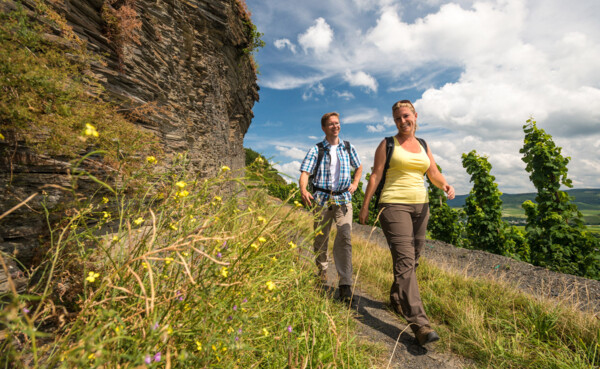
x: 333, y: 189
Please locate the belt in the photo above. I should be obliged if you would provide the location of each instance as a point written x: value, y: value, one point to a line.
x: 335, y: 193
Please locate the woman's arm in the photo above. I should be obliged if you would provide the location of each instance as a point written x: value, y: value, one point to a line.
x: 374, y: 180
x: 437, y: 178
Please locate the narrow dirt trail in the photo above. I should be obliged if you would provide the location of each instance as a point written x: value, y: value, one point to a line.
x: 378, y: 324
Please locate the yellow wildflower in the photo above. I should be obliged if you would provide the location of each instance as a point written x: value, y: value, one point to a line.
x: 262, y: 239
x: 145, y: 265
x: 270, y: 286
x: 139, y: 221
x: 181, y: 184
x: 151, y: 160
x: 168, y: 260
x: 105, y: 215
x: 185, y: 254
x: 169, y: 330
x: 115, y: 238
x: 2, y: 137
x: 91, y: 356
x: 297, y: 203
x: 265, y: 332
x: 218, y: 198
x: 173, y: 226
x: 224, y: 272
x: 92, y: 277
x: 183, y: 193
x: 198, y: 345
x: 254, y: 246
x: 104, y: 200
x: 118, y: 329
x: 262, y: 219
x: 225, y: 168
x: 230, y: 330
x: 274, y: 258
x: 214, y: 347
x: 292, y: 245
x: 90, y: 130
x: 320, y: 233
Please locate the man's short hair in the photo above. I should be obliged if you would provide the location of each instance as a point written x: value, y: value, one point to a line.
x: 326, y: 117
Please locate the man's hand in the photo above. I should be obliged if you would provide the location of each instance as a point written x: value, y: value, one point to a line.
x: 352, y: 188
x: 306, y: 197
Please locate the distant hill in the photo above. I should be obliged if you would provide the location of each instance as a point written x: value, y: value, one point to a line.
x: 587, y: 201
x: 584, y: 198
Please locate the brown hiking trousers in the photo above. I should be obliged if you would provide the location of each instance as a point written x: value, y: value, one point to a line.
x: 405, y: 227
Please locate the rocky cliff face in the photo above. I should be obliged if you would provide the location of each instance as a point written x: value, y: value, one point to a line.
x: 188, y: 77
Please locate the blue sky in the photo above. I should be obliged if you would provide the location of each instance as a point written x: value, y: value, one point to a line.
x: 475, y: 70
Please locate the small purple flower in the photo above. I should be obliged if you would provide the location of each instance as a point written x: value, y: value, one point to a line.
x: 234, y: 307
x: 240, y: 331
x: 237, y: 338
x: 180, y: 298
x: 157, y: 357
x: 230, y: 318
x: 219, y: 255
x: 245, y: 300
x: 148, y: 360
x: 26, y: 311
x: 155, y: 327
x: 224, y: 245
x: 289, y: 328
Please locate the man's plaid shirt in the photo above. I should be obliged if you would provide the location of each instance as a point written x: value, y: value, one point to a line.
x: 323, y: 178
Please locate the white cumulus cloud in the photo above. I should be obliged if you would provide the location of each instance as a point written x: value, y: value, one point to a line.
x: 291, y: 152
x: 361, y: 79
x: 318, y: 37
x: 283, y: 43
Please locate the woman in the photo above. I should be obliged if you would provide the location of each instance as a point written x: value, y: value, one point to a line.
x: 405, y: 211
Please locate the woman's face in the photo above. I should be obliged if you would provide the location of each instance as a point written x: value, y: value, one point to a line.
x: 406, y: 120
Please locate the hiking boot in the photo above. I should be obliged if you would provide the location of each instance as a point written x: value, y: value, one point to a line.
x: 426, y: 335
x: 345, y: 293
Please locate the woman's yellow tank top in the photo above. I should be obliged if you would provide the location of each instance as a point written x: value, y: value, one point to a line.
x: 404, y: 182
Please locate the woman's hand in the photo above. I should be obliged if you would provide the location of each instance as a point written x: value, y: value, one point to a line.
x: 363, y: 215
x: 449, y: 190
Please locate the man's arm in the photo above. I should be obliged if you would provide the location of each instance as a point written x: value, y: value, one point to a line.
x: 356, y: 181
x: 303, y: 182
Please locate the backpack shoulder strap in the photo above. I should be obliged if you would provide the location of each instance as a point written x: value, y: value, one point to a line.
x: 389, y: 150
x: 423, y: 143
x: 347, y: 147
x: 321, y: 149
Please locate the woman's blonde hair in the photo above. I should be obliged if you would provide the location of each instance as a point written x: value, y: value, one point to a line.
x: 403, y: 104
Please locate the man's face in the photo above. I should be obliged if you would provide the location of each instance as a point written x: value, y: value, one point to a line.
x: 332, y: 127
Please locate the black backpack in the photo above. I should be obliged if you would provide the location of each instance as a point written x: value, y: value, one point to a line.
x: 389, y: 150
x: 321, y: 147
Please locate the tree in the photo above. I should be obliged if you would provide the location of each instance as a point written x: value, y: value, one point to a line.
x: 444, y: 222
x: 483, y: 206
x: 555, y: 228
x: 485, y: 228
